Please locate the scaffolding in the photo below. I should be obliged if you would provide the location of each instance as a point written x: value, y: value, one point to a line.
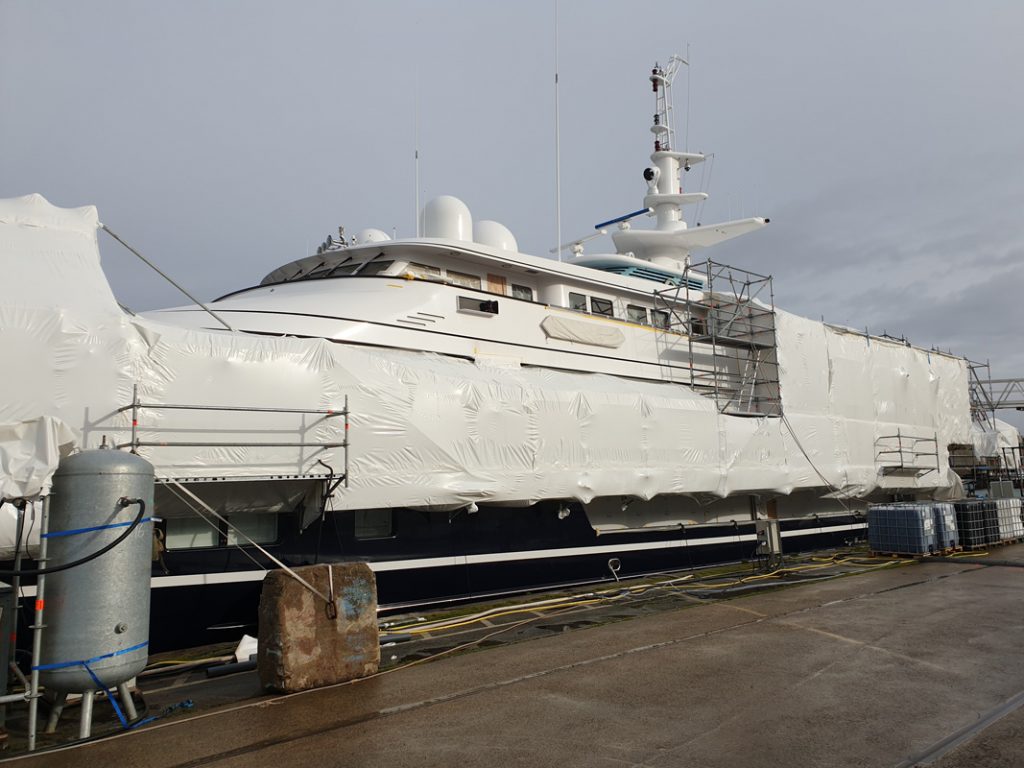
x: 907, y: 455
x: 727, y: 317
x: 989, y: 395
x: 310, y: 468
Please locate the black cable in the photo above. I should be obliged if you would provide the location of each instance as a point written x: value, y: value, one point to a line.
x: 123, y: 502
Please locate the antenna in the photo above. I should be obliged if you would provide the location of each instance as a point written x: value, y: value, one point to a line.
x: 416, y: 155
x: 686, y: 137
x: 558, y: 163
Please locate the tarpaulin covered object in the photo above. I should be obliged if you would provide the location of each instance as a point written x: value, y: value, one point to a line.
x: 429, y: 430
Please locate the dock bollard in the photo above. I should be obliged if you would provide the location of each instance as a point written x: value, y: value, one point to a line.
x: 306, y: 643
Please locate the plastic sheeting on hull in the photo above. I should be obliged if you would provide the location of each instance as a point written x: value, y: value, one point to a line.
x: 428, y: 430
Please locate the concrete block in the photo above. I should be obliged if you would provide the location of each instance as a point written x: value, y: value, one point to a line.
x: 300, y: 645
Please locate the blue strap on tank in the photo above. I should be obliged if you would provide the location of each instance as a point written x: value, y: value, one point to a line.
x: 75, y: 531
x: 85, y: 663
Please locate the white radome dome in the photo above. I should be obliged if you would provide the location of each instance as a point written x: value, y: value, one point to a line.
x: 448, y: 218
x: 495, y: 235
x: 370, y: 235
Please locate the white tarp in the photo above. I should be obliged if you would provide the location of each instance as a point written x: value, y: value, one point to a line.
x: 428, y: 430
x: 1003, y: 442
x: 29, y: 451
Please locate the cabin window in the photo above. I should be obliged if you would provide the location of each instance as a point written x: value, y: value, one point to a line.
x: 476, y: 305
x: 423, y: 271
x: 601, y: 307
x: 659, y: 318
x: 461, y: 278
x: 190, y: 533
x: 522, y: 292
x: 261, y: 528
x: 374, y: 268
x: 578, y: 302
x: 636, y: 314
x: 373, y: 523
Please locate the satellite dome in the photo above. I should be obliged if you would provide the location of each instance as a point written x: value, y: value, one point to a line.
x: 370, y: 235
x: 495, y: 235
x: 448, y: 218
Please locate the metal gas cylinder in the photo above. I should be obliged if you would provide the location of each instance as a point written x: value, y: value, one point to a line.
x: 97, y: 612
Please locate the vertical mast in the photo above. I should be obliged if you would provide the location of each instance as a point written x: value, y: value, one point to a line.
x: 417, y: 174
x: 665, y: 191
x: 558, y: 163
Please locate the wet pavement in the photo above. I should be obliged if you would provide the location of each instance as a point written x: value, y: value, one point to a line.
x: 913, y: 664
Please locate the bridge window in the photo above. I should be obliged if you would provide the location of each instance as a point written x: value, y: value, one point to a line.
x: 522, y: 292
x: 423, y: 271
x: 466, y: 281
x: 374, y: 268
x: 578, y: 302
x: 343, y: 269
x: 636, y: 314
x: 601, y: 307
x: 659, y: 318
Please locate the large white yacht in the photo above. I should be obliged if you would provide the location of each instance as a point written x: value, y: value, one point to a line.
x: 464, y: 416
x: 646, y: 311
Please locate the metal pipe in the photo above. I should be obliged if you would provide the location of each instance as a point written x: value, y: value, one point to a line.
x: 56, y: 709
x: 37, y: 628
x: 346, y: 441
x: 135, y: 416
x: 85, y: 724
x: 16, y: 587
x: 231, y: 668
x: 180, y: 444
x: 126, y: 701
x: 168, y: 406
x: 156, y: 269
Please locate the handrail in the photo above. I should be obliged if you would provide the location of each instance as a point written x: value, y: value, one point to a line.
x: 326, y: 413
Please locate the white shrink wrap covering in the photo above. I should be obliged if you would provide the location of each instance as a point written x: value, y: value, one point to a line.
x: 1002, y: 440
x: 428, y: 430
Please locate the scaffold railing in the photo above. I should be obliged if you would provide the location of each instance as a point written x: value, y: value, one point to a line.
x: 303, y: 442
x: 905, y: 454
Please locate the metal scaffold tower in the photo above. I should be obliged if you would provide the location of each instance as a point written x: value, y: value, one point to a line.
x: 989, y: 395
x: 728, y: 317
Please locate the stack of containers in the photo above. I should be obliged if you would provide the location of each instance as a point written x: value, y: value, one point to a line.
x: 946, y: 536
x: 906, y: 528
x: 1008, y: 513
x: 992, y: 522
x: 977, y: 521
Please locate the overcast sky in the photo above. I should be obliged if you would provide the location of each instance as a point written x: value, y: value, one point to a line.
x: 884, y: 140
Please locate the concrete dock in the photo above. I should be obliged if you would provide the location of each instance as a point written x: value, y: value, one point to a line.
x: 921, y: 664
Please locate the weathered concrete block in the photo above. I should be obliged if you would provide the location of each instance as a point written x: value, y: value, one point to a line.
x: 300, y: 645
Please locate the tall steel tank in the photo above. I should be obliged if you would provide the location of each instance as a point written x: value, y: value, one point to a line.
x: 97, y: 612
